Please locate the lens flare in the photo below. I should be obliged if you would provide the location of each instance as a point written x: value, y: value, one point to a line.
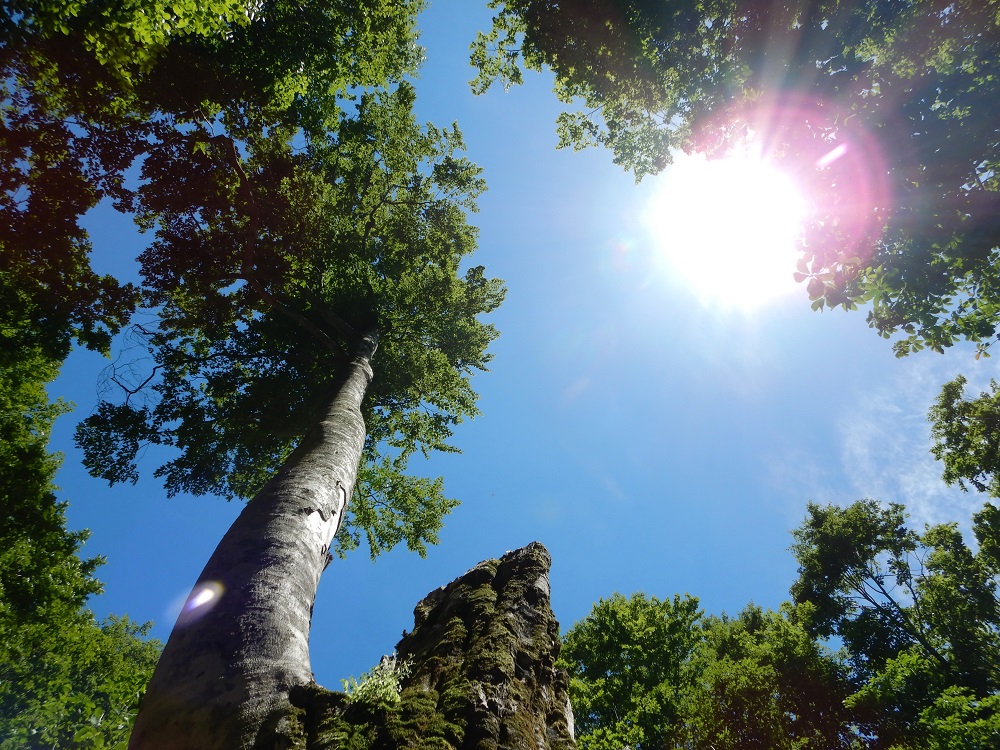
x: 836, y: 161
x: 200, y: 601
x: 831, y: 156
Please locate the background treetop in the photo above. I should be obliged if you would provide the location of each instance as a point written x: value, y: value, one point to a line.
x: 918, y: 627
x: 917, y: 611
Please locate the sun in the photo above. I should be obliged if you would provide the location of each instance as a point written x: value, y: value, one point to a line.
x: 728, y: 228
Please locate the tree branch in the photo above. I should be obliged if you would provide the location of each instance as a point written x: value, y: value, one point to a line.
x: 247, y: 261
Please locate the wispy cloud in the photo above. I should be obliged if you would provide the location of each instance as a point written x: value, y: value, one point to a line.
x: 885, y: 441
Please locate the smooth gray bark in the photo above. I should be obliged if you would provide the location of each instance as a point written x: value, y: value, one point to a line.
x: 242, y: 642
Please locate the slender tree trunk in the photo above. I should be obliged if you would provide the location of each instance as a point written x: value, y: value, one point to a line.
x: 242, y: 642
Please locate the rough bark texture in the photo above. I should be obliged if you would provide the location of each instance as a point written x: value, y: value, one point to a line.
x: 482, y: 672
x: 241, y: 645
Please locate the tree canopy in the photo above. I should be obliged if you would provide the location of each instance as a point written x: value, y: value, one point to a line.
x: 629, y: 667
x: 91, y: 90
x: 39, y: 565
x: 67, y: 680
x: 884, y: 111
x: 273, y: 257
x: 192, y: 96
x: 966, y: 434
x: 765, y: 683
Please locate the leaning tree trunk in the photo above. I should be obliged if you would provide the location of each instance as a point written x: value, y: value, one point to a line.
x: 242, y: 641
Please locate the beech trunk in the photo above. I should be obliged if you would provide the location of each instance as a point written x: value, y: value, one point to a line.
x: 241, y: 644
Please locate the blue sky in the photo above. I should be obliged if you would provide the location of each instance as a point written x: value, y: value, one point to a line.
x: 652, y: 441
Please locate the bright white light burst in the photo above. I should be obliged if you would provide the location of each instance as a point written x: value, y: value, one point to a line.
x: 728, y: 227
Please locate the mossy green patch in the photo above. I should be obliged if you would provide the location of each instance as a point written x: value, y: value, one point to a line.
x: 420, y: 723
x: 482, y: 677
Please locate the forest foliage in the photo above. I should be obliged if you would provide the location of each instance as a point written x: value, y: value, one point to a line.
x: 259, y: 136
x: 890, y: 641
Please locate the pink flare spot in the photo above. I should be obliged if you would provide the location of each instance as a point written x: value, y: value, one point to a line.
x: 825, y: 161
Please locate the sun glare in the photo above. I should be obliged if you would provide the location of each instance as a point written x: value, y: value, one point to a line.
x: 728, y: 227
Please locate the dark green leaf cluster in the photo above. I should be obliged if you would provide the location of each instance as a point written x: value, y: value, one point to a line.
x: 39, y: 566
x: 65, y: 680
x: 649, y: 74
x: 906, y: 218
x: 50, y: 177
x: 766, y: 683
x: 125, y: 63
x: 619, y: 59
x: 87, y: 88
